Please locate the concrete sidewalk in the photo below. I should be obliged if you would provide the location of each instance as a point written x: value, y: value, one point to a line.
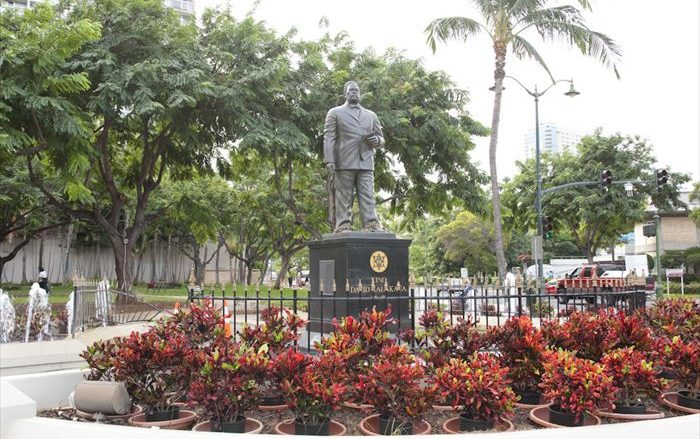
x: 48, y: 356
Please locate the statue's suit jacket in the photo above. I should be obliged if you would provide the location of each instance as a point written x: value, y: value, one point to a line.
x: 343, y: 136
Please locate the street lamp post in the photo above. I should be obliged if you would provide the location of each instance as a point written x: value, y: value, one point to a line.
x: 538, y: 175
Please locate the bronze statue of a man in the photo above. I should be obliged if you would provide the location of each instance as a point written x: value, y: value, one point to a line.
x: 351, y: 133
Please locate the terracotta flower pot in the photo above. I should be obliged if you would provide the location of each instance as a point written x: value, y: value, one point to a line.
x: 135, y: 410
x: 672, y: 400
x: 606, y: 412
x: 451, y: 426
x: 252, y: 426
x: 369, y: 426
x: 184, y: 420
x: 541, y: 416
x: 287, y: 428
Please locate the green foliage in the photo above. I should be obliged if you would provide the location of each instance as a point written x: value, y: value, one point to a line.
x: 594, y: 217
x: 689, y: 258
x: 468, y: 242
x: 695, y: 196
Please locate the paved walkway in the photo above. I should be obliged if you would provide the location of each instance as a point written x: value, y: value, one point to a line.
x: 46, y: 356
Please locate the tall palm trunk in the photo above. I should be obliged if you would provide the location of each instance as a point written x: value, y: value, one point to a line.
x: 499, y: 73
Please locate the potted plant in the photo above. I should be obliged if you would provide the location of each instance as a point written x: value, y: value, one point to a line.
x: 277, y: 333
x: 479, y: 388
x: 226, y: 386
x: 633, y: 376
x: 438, y: 341
x: 393, y: 385
x: 683, y: 358
x: 669, y: 317
x: 313, y: 393
x: 100, y: 357
x: 147, y: 364
x: 521, y: 347
x: 359, y: 342
x: 575, y: 386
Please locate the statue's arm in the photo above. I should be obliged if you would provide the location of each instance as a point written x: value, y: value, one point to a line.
x: 330, y: 134
x: 377, y: 127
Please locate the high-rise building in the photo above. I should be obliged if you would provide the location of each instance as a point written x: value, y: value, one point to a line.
x: 553, y: 140
x: 184, y: 7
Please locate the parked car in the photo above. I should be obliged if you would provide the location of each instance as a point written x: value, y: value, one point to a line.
x: 579, y: 283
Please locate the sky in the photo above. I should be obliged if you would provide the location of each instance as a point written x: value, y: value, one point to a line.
x: 657, y: 97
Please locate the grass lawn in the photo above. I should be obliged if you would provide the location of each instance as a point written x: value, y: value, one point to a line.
x: 60, y: 293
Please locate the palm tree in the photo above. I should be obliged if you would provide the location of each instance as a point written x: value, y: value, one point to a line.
x: 505, y: 21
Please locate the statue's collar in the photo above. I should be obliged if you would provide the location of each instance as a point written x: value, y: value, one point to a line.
x: 353, y: 106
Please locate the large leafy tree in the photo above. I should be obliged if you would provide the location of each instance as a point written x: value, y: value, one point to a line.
x: 593, y: 216
x: 507, y: 23
x: 153, y: 98
x: 24, y: 213
x: 468, y: 241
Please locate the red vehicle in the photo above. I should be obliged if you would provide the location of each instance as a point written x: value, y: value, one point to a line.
x: 581, y: 282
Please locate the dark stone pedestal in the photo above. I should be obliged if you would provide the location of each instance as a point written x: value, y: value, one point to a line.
x: 353, y: 271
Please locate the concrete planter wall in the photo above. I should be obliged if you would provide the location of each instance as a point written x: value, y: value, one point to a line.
x: 22, y: 395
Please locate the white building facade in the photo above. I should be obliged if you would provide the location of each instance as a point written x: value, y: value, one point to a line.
x: 553, y: 140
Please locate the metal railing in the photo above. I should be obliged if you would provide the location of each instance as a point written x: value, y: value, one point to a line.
x: 487, y: 307
x: 94, y: 307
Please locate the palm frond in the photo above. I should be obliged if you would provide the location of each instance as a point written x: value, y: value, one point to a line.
x: 523, y: 49
x: 448, y: 28
x: 521, y: 8
x: 567, y: 23
x: 566, y: 13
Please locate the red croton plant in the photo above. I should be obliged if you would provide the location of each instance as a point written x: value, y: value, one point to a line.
x: 675, y: 317
x: 575, y: 385
x: 151, y: 367
x: 317, y: 387
x: 633, y: 375
x: 394, y: 385
x: 438, y: 341
x: 683, y: 358
x: 522, y: 347
x: 480, y: 385
x: 227, y: 383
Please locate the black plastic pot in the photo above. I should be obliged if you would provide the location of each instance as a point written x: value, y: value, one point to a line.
x: 321, y: 429
x: 393, y: 426
x: 556, y: 416
x: 634, y: 409
x: 163, y: 415
x: 272, y: 401
x: 467, y: 423
x: 529, y: 397
x: 686, y: 400
x: 235, y: 426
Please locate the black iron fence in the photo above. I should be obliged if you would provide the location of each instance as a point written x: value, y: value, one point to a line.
x: 92, y: 307
x: 485, y: 306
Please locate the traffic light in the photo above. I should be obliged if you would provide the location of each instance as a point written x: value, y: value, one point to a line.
x: 649, y: 229
x: 661, y: 178
x: 606, y: 178
x: 547, y: 227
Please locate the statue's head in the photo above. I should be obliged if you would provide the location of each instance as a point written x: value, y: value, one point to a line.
x: 352, y: 92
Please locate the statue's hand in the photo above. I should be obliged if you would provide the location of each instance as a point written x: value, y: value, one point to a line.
x: 330, y: 167
x: 373, y: 141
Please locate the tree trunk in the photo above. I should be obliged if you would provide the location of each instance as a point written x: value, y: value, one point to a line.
x: 198, y: 265
x: 217, y: 281
x: 123, y: 258
x: 66, y: 266
x: 24, y: 266
x: 166, y: 262
x: 284, y: 267
x: 154, y: 268
x: 499, y: 74
x: 42, y: 236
